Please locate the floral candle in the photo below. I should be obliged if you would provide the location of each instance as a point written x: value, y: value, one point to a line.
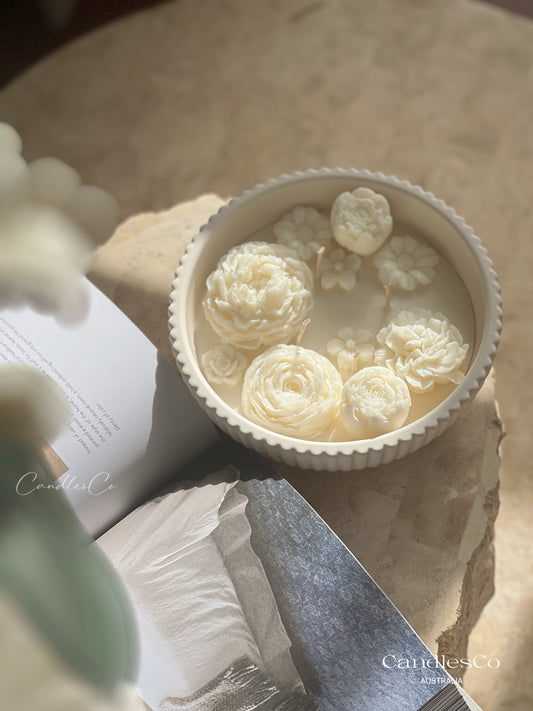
x: 335, y: 324
x: 384, y: 319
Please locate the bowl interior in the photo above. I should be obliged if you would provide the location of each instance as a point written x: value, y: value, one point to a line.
x: 429, y: 217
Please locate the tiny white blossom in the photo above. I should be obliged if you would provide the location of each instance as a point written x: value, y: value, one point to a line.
x: 49, y: 224
x: 352, y: 349
x: 338, y: 269
x: 304, y: 230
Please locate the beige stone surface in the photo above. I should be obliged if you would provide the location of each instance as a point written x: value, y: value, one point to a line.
x: 422, y: 526
x: 197, y: 97
x: 136, y: 267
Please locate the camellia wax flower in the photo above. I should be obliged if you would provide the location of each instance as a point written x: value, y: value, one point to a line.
x: 374, y: 401
x: 406, y: 263
x: 293, y: 391
x: 259, y: 294
x: 361, y: 220
x: 424, y: 349
x: 305, y: 230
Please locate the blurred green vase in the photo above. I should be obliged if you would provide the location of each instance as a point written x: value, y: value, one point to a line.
x: 65, y: 585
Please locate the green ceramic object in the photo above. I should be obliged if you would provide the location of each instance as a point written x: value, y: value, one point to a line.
x: 66, y: 586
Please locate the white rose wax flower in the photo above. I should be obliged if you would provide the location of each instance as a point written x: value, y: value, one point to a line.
x: 223, y: 365
x: 406, y: 263
x: 374, y: 401
x: 292, y: 390
x: 361, y: 220
x: 259, y: 294
x: 424, y: 349
x: 305, y: 230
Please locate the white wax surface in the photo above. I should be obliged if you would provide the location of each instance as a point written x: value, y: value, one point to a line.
x: 364, y: 307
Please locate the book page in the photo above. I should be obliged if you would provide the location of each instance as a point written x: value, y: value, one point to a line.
x: 134, y: 424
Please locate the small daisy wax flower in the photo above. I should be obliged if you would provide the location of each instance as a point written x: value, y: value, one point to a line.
x: 352, y: 349
x: 305, y: 230
x: 374, y: 401
x: 338, y: 269
x: 292, y: 390
x: 406, y: 263
x: 223, y: 365
x: 361, y: 220
x: 424, y: 349
x: 259, y: 294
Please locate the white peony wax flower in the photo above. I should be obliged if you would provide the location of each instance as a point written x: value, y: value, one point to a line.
x: 223, y: 365
x: 405, y: 262
x: 424, y: 349
x: 259, y: 294
x: 352, y: 349
x: 338, y: 270
x: 305, y: 230
x: 361, y: 220
x: 293, y: 391
x: 374, y: 401
x: 32, y: 405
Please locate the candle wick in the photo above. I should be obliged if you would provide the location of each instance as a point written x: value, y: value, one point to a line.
x: 319, y: 255
x: 387, y: 297
x: 301, y: 332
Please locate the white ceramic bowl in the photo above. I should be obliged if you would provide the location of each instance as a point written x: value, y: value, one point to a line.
x: 266, y: 203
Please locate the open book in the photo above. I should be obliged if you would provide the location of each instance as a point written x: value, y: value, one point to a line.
x: 244, y: 598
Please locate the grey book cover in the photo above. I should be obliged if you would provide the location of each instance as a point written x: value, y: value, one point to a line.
x: 319, y: 634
